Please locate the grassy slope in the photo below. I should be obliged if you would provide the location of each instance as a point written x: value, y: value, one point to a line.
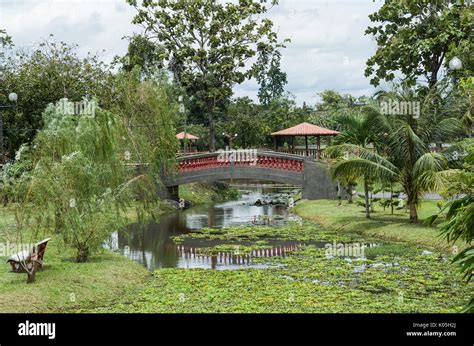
x: 63, y: 285
x: 66, y: 286
x: 351, y: 218
x: 204, y: 194
x: 196, y: 193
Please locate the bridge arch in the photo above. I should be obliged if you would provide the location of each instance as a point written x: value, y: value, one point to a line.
x: 253, y: 165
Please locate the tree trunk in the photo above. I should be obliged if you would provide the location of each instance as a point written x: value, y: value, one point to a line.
x: 31, y: 277
x: 391, y: 201
x: 58, y: 221
x: 349, y: 199
x: 367, y: 206
x: 212, y: 129
x: 339, y: 197
x: 82, y: 254
x: 371, y: 202
x: 413, y: 212
x: 31, y: 272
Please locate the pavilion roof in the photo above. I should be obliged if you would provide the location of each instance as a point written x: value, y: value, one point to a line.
x: 306, y: 129
x: 188, y: 136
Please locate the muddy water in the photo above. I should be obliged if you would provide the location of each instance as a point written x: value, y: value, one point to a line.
x: 152, y: 245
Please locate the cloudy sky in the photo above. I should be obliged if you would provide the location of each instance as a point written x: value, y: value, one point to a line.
x: 328, y: 47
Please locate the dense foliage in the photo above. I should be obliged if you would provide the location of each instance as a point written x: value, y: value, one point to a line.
x: 77, y: 186
x: 84, y: 171
x: 207, y: 45
x: 459, y: 223
x: 418, y: 38
x: 51, y: 71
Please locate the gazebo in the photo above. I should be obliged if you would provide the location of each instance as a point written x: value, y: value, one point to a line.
x: 192, y: 148
x: 304, y: 130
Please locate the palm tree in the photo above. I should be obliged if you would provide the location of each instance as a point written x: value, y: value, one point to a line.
x: 357, y: 128
x: 391, y: 148
x: 409, y: 138
x: 361, y: 164
x: 409, y: 160
x: 426, y: 174
x: 459, y: 223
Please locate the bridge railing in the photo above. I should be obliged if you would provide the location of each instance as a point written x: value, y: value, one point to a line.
x: 261, y: 159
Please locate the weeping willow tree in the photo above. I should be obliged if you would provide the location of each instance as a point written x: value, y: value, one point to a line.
x: 147, y: 111
x: 88, y: 171
x: 77, y: 187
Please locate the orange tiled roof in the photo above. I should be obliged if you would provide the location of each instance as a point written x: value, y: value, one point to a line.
x: 188, y: 136
x: 305, y: 129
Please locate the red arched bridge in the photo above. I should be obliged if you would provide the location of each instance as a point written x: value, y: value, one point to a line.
x: 251, y: 164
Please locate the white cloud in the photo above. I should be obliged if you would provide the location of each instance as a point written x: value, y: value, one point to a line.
x: 328, y: 48
x: 93, y: 25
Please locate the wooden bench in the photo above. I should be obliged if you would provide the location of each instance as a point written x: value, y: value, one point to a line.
x: 30, y: 259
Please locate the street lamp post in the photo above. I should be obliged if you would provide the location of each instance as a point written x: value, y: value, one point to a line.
x: 455, y: 64
x: 182, y: 110
x: 13, y: 97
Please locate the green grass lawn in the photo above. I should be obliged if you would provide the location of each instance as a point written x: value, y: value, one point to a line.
x: 64, y: 285
x: 67, y: 286
x: 201, y: 193
x: 383, y: 225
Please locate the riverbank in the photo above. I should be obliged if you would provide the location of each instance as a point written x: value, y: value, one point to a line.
x: 391, y: 277
x: 401, y: 277
x: 207, y: 193
x: 64, y: 285
x: 350, y: 218
x: 67, y: 286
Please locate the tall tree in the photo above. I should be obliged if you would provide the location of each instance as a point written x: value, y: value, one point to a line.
x: 417, y: 37
x: 357, y: 128
x: 361, y: 164
x: 143, y: 53
x: 84, y: 171
x: 331, y: 106
x: 270, y: 77
x: 77, y: 185
x: 208, y: 44
x: 5, y: 41
x: 245, y: 120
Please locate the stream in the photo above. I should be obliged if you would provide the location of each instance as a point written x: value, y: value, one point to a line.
x: 153, y: 246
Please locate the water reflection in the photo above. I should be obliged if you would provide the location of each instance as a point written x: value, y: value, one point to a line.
x: 152, y: 245
x: 193, y: 257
